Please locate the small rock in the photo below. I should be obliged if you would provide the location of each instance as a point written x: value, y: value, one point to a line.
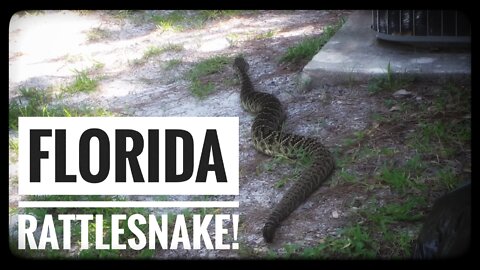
x: 395, y: 109
x: 335, y: 214
x: 402, y: 93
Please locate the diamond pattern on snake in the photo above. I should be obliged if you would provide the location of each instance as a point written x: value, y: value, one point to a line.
x: 268, y: 138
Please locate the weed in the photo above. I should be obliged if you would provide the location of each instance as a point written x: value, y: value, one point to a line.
x: 358, y: 242
x: 353, y: 242
x: 388, y: 82
x: 173, y: 21
x: 291, y: 250
x: 447, y: 178
x: 153, y: 51
x: 415, y: 165
x: 35, y: 102
x: 13, y: 145
x: 179, y: 20
x: 265, y: 35
x: 389, y: 103
x: 440, y: 138
x: 395, y: 212
x: 82, y: 83
x: 281, y: 183
x: 122, y: 14
x: 299, y: 158
x: 197, y: 74
x: 396, y: 178
x: 347, y: 176
x: 387, y: 151
x: 402, y: 243
x: 308, y: 47
x: 201, y: 89
x: 173, y: 63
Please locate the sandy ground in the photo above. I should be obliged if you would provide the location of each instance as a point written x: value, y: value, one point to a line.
x: 46, y: 48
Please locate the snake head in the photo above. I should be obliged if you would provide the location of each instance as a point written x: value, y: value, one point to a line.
x: 240, y: 63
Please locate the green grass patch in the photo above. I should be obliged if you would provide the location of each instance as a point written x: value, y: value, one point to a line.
x: 199, y: 85
x: 415, y: 165
x: 154, y: 51
x: 122, y: 14
x: 395, y: 212
x: 388, y: 82
x: 388, y: 224
x: 397, y: 178
x: 266, y: 35
x: 173, y: 21
x: 307, y: 48
x: 347, y: 176
x: 34, y: 102
x: 180, y: 20
x: 300, y: 160
x: 84, y: 80
x: 13, y: 145
x: 275, y: 163
x: 82, y: 83
x: 447, y: 178
x: 173, y: 63
x: 439, y: 137
x: 151, y: 52
x: 353, y: 242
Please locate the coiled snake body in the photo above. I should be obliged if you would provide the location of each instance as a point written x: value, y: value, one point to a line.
x: 268, y: 138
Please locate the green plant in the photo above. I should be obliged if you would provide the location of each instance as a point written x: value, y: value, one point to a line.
x: 308, y: 47
x: 388, y: 81
x: 82, y: 83
x: 153, y: 51
x: 352, y: 242
x: 395, y: 212
x: 122, y: 14
x: 173, y: 21
x: 36, y: 102
x: 447, y: 178
x: 265, y: 35
x: 415, y: 165
x: 13, y: 145
x: 347, y: 176
x: 358, y: 242
x: 197, y: 74
x: 397, y: 178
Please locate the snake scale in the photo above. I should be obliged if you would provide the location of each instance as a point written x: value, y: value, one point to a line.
x: 268, y: 138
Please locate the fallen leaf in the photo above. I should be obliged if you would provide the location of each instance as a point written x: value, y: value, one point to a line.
x: 402, y: 93
x: 395, y: 109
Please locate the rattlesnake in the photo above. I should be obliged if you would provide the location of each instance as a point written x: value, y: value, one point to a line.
x: 268, y: 138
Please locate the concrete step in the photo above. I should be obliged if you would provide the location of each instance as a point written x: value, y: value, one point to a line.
x: 354, y: 53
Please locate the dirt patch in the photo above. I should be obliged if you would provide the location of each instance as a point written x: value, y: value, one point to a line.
x: 330, y: 113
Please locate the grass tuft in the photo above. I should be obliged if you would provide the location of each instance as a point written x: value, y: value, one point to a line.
x: 199, y: 85
x: 34, y: 102
x: 307, y: 48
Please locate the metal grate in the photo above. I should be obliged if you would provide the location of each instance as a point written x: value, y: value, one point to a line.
x: 421, y: 25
